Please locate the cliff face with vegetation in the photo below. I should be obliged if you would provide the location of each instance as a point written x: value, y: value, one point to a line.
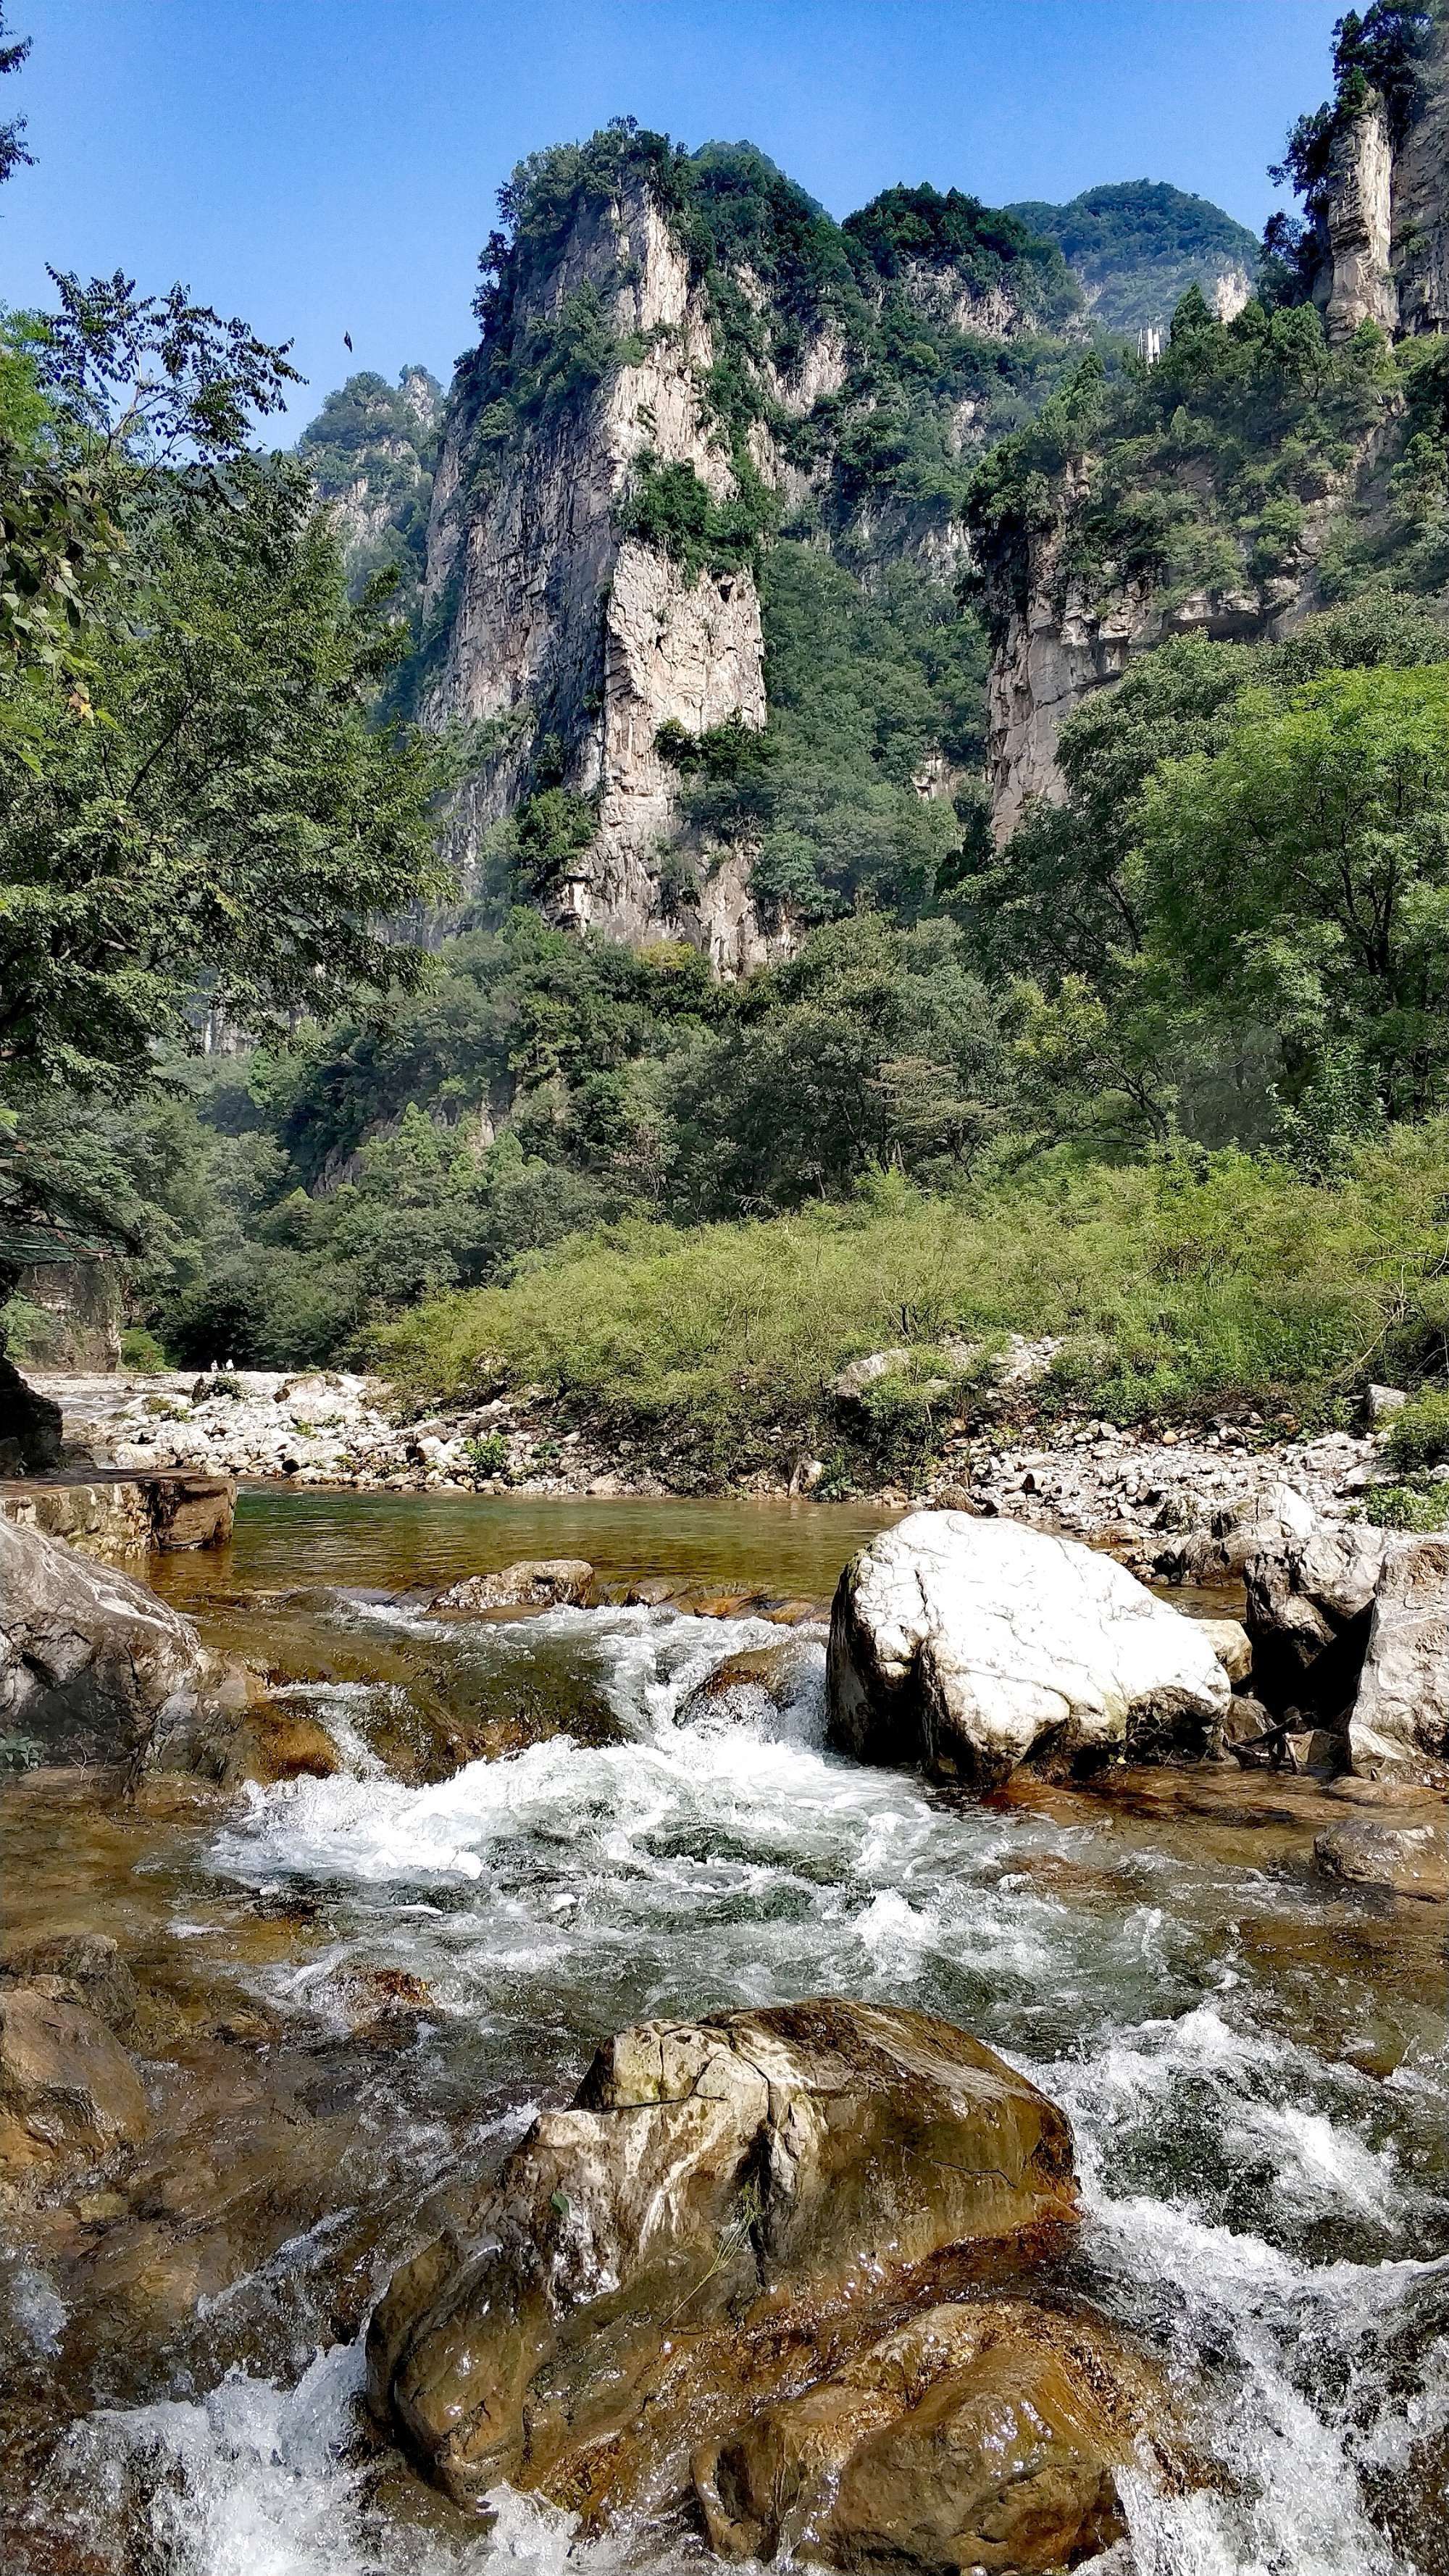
x: 682, y: 355
x: 1254, y: 474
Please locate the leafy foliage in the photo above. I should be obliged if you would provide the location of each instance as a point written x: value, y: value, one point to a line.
x: 1137, y: 246
x: 1193, y: 475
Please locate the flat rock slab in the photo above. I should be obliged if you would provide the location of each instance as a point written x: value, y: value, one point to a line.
x: 112, y: 1516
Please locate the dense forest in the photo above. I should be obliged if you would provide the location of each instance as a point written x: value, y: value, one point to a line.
x: 1163, y: 1075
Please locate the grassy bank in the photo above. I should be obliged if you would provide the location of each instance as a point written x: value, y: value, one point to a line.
x: 1182, y: 1286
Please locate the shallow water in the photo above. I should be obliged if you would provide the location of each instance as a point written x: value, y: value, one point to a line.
x: 1254, y: 2068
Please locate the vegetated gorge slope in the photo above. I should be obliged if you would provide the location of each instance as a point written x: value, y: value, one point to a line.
x: 702, y: 418
x: 827, y: 618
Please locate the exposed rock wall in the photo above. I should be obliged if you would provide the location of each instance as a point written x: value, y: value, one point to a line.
x: 1057, y: 648
x: 559, y: 624
x: 1357, y: 283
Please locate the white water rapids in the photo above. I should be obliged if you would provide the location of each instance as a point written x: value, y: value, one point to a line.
x: 1270, y: 2219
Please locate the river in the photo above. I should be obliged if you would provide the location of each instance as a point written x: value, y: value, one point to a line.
x: 361, y: 1988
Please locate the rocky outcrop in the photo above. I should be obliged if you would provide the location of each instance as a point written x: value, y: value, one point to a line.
x: 562, y: 627
x: 91, y: 1664
x: 1309, y: 1602
x: 1058, y: 643
x: 981, y: 2436
x: 686, y: 2241
x: 113, y: 1516
x: 1399, y: 1727
x: 1357, y: 283
x: 95, y: 1669
x: 980, y: 1646
x: 30, y: 1425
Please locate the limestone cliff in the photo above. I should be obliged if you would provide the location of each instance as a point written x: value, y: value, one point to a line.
x: 569, y: 640
x: 1103, y: 569
x: 679, y: 353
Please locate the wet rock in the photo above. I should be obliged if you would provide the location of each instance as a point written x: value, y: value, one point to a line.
x: 978, y: 1646
x: 84, y: 1968
x: 1408, y: 1859
x: 31, y: 1426
x: 778, y: 1673
x: 1232, y: 1646
x: 535, y: 1583
x: 68, y: 2091
x: 1250, y: 1732
x: 1308, y: 1609
x: 1400, y: 1721
x: 981, y: 2436
x: 91, y: 1663
x: 690, y: 2234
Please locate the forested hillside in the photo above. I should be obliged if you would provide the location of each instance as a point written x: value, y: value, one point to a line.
x: 1067, y: 866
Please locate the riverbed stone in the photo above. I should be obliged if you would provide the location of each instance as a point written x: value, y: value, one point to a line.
x: 1309, y: 1603
x: 91, y: 1663
x: 1407, y: 1858
x: 68, y: 2091
x: 980, y: 1646
x: 1399, y: 1727
x: 84, y: 1968
x: 725, y: 2205
x: 983, y: 2436
x: 535, y: 1583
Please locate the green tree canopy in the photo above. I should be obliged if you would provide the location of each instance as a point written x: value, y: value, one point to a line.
x: 1300, y: 875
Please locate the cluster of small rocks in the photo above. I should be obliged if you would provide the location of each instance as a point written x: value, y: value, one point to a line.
x: 1157, y: 1497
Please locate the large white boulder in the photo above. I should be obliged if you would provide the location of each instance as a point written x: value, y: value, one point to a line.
x: 976, y: 1646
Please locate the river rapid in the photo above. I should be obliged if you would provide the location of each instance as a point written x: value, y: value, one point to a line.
x: 359, y: 1990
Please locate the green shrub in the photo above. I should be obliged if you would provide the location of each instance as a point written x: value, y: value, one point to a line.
x: 1180, y: 1286
x: 488, y: 1456
x: 1407, y: 1507
x: 142, y: 1352
x: 1419, y: 1436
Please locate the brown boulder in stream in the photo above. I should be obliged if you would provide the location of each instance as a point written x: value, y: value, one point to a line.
x: 68, y: 2091
x: 982, y: 2435
x: 728, y: 2208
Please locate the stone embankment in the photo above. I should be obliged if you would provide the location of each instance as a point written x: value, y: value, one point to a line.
x: 1190, y: 1506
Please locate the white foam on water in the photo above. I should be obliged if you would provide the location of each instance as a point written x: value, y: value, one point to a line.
x: 719, y: 1854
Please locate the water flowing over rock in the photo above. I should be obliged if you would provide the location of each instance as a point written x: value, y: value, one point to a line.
x: 979, y: 1646
x: 1407, y: 1856
x: 726, y: 2209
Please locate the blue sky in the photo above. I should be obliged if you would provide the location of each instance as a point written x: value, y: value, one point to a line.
x: 323, y: 166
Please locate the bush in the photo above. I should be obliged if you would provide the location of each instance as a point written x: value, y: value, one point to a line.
x: 1419, y: 1436
x: 488, y: 1456
x: 1180, y: 1287
x: 1407, y: 1507
x: 141, y: 1351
